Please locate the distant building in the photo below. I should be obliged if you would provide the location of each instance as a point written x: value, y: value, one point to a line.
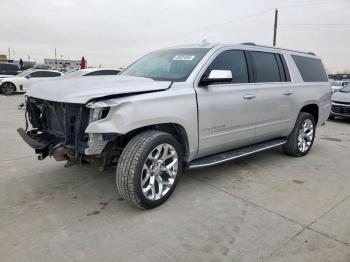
x: 339, y: 76
x: 3, y: 58
x: 62, y: 63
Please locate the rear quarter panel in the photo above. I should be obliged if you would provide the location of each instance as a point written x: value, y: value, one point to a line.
x: 306, y: 93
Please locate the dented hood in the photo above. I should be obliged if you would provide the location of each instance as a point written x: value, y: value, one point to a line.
x: 83, y: 89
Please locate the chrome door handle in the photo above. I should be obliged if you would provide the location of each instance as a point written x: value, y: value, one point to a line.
x: 248, y: 96
x: 288, y: 93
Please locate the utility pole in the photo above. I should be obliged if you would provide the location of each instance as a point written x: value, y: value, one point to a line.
x: 275, y: 27
x: 55, y: 58
x: 9, y: 54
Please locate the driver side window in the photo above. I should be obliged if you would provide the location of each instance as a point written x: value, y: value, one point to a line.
x: 234, y: 61
x: 36, y: 74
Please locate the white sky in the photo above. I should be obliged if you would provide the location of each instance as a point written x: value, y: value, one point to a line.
x: 114, y: 33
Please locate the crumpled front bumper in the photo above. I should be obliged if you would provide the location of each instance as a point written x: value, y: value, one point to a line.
x: 41, y: 142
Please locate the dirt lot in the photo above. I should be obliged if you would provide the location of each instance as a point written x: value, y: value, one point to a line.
x: 266, y: 207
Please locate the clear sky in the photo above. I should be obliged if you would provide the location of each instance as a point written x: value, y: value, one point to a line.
x: 114, y: 33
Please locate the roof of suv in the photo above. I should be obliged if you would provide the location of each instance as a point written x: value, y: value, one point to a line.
x: 248, y: 44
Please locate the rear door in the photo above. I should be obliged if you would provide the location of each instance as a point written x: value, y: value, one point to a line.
x: 273, y: 95
x: 226, y: 111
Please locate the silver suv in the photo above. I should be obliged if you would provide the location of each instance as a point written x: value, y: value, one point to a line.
x: 177, y: 108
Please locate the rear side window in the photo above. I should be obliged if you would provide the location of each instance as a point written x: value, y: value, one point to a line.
x: 266, y: 67
x: 311, y: 69
x: 233, y: 60
x: 110, y: 72
x: 37, y: 74
x: 8, y: 67
x: 95, y: 73
x: 51, y: 74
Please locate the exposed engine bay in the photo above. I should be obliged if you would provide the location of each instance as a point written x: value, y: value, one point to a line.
x: 58, y: 129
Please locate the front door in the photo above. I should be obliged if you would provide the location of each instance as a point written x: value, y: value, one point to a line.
x: 226, y: 111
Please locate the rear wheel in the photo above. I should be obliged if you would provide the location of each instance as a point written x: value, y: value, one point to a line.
x: 301, y: 139
x: 149, y: 168
x: 8, y: 88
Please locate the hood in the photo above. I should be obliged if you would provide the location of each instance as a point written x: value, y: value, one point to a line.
x: 341, y: 97
x: 10, y: 77
x: 80, y: 90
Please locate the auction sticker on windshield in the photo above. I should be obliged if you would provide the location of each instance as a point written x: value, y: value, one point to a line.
x: 184, y: 57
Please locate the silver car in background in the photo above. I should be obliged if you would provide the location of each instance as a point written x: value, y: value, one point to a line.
x: 341, y: 103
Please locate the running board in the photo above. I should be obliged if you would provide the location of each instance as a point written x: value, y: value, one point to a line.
x: 234, y: 154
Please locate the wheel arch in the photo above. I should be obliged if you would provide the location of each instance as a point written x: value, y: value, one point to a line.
x: 176, y: 130
x: 9, y: 82
x: 312, y: 109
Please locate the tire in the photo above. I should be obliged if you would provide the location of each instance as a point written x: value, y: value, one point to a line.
x: 141, y: 162
x: 295, y: 142
x: 331, y: 117
x: 8, y: 88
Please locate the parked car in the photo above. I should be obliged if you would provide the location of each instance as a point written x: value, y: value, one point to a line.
x: 22, y: 81
x: 91, y: 72
x: 337, y: 85
x: 341, y: 103
x: 188, y: 107
x: 8, y: 69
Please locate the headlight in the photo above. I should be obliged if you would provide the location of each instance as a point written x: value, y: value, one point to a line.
x: 98, y: 111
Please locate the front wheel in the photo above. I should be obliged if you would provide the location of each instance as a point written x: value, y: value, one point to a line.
x: 149, y: 168
x: 301, y: 139
x: 8, y: 88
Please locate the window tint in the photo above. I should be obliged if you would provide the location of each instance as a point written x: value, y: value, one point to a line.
x: 311, y: 69
x: 8, y: 67
x: 266, y: 67
x: 110, y: 72
x: 233, y: 60
x: 95, y: 73
x: 51, y: 74
x: 36, y: 74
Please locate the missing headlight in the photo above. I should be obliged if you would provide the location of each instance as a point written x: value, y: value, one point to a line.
x: 98, y: 113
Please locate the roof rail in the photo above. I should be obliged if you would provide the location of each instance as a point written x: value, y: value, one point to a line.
x: 248, y: 43
x: 273, y: 47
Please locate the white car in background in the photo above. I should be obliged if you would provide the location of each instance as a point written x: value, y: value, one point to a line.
x: 91, y: 72
x: 337, y: 85
x: 22, y: 81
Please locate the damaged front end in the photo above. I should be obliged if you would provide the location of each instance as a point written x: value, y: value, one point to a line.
x: 58, y: 130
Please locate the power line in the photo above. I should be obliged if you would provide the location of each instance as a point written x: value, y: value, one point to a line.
x: 315, y: 24
x: 316, y: 3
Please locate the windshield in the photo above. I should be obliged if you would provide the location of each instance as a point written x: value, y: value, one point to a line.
x: 335, y: 83
x: 167, y: 65
x: 24, y: 73
x: 346, y: 89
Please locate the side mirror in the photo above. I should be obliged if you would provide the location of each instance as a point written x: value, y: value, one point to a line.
x: 217, y: 76
x: 28, y: 76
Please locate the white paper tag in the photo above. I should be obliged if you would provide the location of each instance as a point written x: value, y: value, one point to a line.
x: 184, y: 57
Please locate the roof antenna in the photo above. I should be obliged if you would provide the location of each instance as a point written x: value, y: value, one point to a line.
x: 204, y: 42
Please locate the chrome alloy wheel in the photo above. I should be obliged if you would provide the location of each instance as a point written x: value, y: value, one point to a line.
x: 306, y: 135
x: 7, y: 88
x: 159, y: 172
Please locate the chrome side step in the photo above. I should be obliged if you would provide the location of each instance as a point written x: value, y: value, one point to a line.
x: 236, y: 153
